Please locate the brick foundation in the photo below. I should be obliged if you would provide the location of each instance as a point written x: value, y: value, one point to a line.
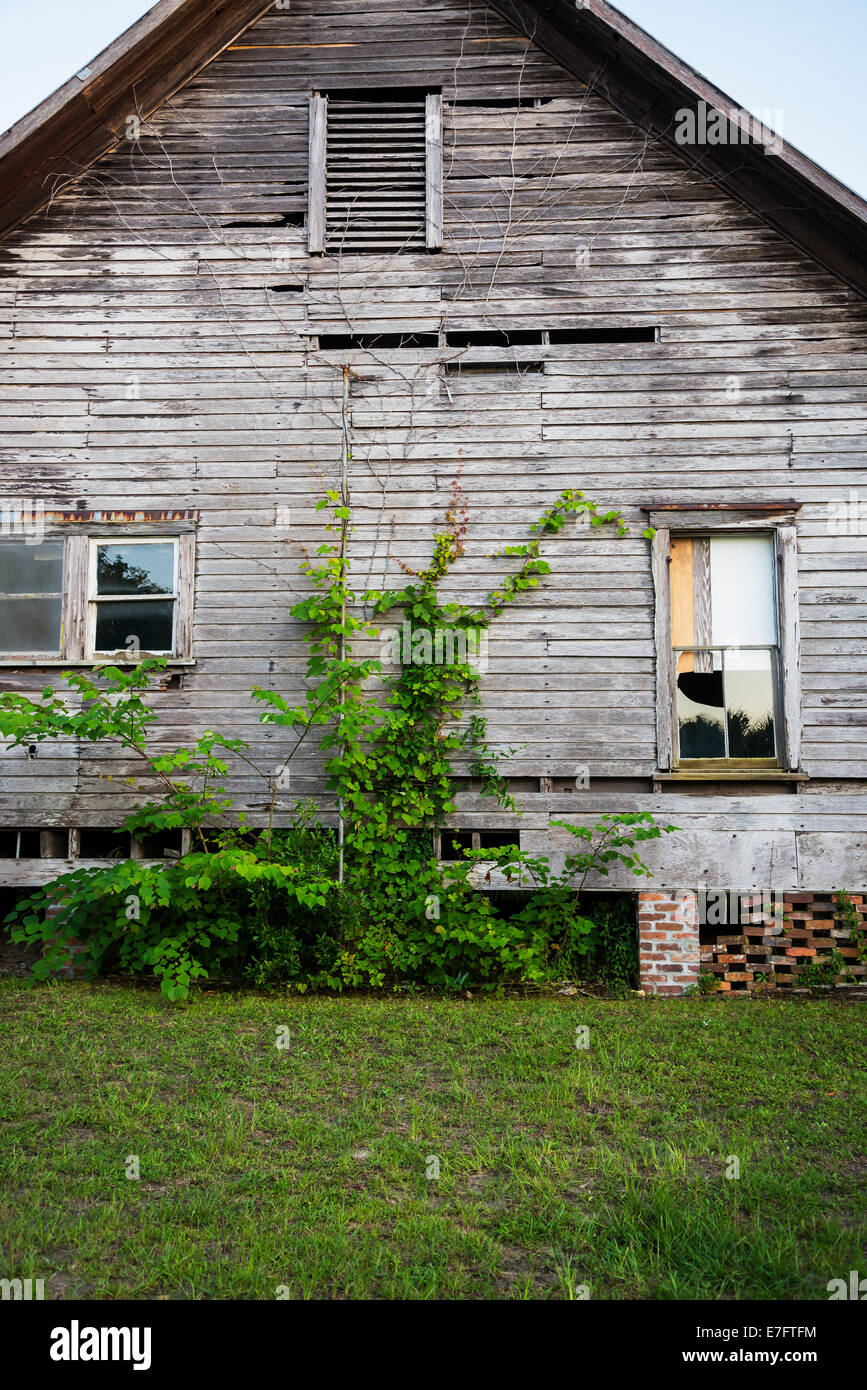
x: 668, y: 944
x: 73, y: 967
x: 795, y: 950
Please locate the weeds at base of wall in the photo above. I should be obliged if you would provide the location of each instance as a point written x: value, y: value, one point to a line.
x: 274, y: 906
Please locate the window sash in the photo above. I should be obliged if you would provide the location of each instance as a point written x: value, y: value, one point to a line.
x: 787, y: 691
x: 30, y: 652
x: 95, y: 600
x: 773, y: 650
x: 79, y: 592
x: 702, y: 556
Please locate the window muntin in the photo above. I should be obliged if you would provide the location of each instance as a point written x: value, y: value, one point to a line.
x: 31, y: 597
x: 133, y: 596
x: 725, y: 648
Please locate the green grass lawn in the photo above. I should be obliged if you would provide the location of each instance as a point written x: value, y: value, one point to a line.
x: 306, y: 1167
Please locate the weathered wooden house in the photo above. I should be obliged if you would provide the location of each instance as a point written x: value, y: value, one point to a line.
x: 546, y: 268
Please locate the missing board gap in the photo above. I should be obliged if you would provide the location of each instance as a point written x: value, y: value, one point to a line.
x: 372, y: 342
x: 449, y: 845
x: 500, y: 103
x: 164, y: 844
x: 485, y: 337
x: 267, y: 219
x: 603, y: 335
x: 19, y: 843
x: 495, y: 337
x: 378, y: 96
x: 103, y: 842
x: 504, y: 368
x: 543, y: 337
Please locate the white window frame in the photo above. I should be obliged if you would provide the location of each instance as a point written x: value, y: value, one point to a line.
x: 78, y: 623
x: 94, y: 598
x: 778, y: 522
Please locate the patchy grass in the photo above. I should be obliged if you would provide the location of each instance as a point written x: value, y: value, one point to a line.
x: 305, y: 1168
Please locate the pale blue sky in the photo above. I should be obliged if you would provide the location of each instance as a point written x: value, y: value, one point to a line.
x: 803, y: 59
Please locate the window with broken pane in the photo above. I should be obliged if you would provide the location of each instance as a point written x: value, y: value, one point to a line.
x: 134, y: 595
x: 31, y: 597
x: 725, y: 646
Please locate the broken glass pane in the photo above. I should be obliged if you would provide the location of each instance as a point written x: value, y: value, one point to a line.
x: 700, y: 709
x: 135, y: 569
x: 749, y: 689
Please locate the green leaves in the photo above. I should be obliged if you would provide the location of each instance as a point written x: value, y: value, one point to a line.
x: 612, y: 839
x: 265, y: 902
x: 169, y: 918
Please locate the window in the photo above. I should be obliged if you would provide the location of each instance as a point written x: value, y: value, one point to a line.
x: 375, y: 172
x: 728, y: 666
x: 85, y: 594
x: 725, y: 647
x: 31, y: 597
x: 133, y: 596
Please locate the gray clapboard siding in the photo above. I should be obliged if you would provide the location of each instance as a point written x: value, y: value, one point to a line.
x: 132, y: 281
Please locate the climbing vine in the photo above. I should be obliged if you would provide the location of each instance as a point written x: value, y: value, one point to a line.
x: 263, y: 901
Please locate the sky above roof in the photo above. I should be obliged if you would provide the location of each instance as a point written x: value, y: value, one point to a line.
x: 797, y: 66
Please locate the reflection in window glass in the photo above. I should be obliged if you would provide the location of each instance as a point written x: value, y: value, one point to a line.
x: 31, y: 597
x: 726, y: 712
x: 749, y: 691
x: 135, y: 599
x: 700, y: 710
x: 145, y: 626
x: 135, y: 569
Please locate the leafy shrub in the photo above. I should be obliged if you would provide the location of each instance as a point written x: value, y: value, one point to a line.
x: 448, y: 930
x: 270, y: 905
x: 229, y: 910
x: 184, y: 920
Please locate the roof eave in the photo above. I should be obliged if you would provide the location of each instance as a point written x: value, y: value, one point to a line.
x: 649, y: 84
x: 78, y: 123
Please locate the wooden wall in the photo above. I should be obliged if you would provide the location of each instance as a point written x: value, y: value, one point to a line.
x: 156, y: 355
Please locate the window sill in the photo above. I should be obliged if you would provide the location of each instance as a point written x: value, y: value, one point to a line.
x: 743, y: 774
x: 16, y: 663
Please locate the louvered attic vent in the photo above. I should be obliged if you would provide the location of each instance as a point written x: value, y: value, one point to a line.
x: 375, y: 172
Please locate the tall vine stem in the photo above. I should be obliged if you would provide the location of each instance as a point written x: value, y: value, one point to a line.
x: 390, y: 748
